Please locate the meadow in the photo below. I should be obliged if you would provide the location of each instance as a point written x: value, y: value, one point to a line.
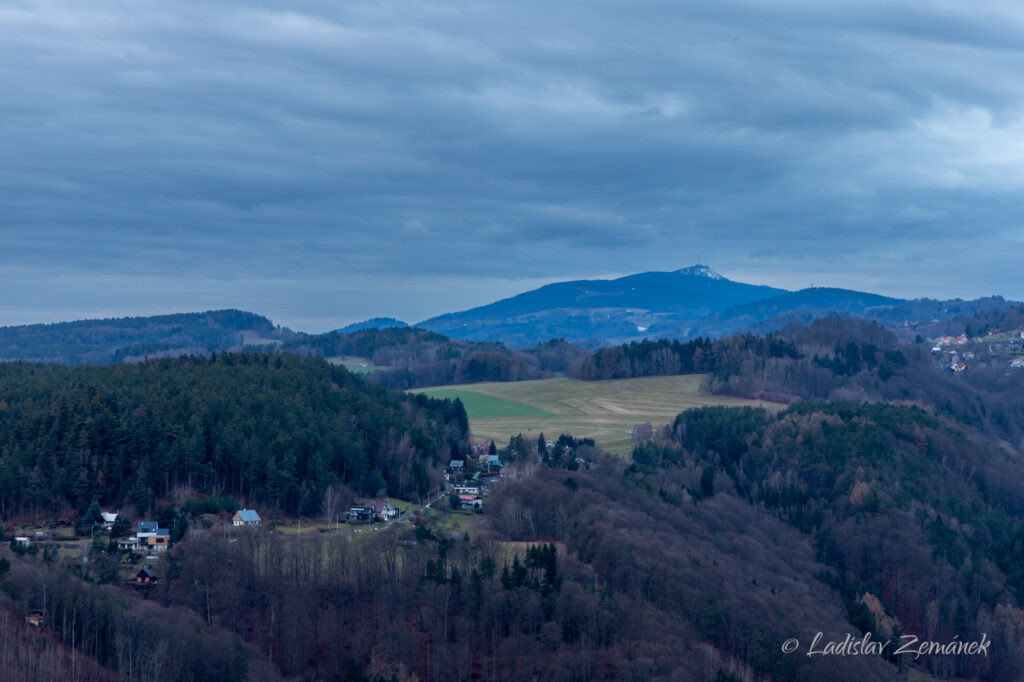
x: 606, y: 411
x: 485, y: 406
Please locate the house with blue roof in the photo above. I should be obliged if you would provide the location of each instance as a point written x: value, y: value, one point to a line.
x: 245, y: 517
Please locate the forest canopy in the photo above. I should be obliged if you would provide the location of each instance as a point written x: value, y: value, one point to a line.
x: 276, y: 430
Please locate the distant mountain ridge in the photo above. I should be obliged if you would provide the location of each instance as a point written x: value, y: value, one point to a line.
x: 602, y: 311
x: 682, y: 304
x: 840, y: 300
x: 102, y: 341
x: 373, y: 323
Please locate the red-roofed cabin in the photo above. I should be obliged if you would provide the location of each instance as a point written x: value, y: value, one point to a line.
x: 470, y: 502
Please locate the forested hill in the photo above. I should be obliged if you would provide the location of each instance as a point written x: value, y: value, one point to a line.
x: 410, y: 357
x: 127, y: 338
x: 917, y: 517
x: 376, y: 322
x: 274, y: 430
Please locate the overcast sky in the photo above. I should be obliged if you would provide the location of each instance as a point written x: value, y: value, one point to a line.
x: 326, y: 162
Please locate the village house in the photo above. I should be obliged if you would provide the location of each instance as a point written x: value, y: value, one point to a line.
x: 151, y: 537
x: 359, y: 513
x: 455, y: 470
x: 466, y: 488
x: 383, y: 511
x: 245, y: 517
x: 145, y: 577
x: 127, y: 544
x: 470, y: 502
x: 22, y: 541
x: 108, y: 519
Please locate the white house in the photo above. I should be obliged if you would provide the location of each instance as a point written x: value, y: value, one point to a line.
x: 383, y: 510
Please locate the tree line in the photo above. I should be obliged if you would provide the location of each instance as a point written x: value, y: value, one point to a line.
x: 417, y: 357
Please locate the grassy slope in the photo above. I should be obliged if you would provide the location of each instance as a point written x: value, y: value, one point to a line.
x: 602, y: 410
x: 483, y: 406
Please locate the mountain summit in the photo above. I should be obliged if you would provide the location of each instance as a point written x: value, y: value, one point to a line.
x: 699, y: 270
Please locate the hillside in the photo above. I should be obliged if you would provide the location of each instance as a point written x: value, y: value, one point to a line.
x: 274, y: 430
x: 132, y: 338
x: 817, y: 298
x: 915, y: 515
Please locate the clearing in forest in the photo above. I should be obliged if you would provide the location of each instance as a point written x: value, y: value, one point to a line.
x: 602, y: 410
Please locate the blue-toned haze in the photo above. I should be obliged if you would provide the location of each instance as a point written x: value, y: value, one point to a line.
x: 326, y: 162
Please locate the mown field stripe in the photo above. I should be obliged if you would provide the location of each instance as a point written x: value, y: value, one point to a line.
x: 480, y: 406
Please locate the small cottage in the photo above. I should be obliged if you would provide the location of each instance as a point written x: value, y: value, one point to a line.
x: 245, y: 517
x: 145, y: 577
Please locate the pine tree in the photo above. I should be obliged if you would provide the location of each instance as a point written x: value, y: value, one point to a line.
x: 93, y: 514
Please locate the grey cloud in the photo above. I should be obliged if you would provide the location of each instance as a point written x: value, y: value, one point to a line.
x: 387, y: 145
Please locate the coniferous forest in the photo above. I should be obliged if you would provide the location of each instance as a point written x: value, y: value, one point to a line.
x: 275, y: 430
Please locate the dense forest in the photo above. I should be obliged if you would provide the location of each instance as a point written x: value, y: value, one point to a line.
x: 910, y: 511
x: 277, y: 430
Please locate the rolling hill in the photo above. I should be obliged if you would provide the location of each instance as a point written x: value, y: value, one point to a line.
x: 133, y: 338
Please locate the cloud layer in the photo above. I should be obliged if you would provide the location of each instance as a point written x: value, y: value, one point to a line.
x: 337, y: 161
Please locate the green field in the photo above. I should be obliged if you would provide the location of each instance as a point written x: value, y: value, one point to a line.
x: 602, y: 410
x: 484, y: 406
